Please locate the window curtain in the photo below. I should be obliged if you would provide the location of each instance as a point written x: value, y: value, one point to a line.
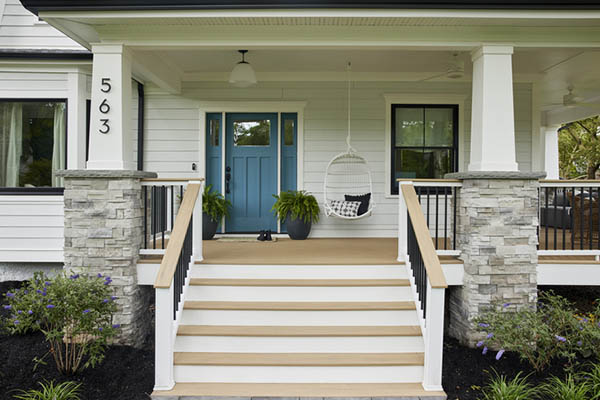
x: 58, y: 148
x: 15, y: 145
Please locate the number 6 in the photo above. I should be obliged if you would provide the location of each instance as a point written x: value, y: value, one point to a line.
x: 104, y: 107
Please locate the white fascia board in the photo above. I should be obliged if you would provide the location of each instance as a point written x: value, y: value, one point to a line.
x: 565, y: 115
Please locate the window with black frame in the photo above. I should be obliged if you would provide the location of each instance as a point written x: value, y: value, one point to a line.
x: 424, y: 142
x: 33, y: 136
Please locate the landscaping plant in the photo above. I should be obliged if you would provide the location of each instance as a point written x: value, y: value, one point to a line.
x: 500, y: 388
x: 74, y: 312
x: 214, y: 204
x: 297, y: 204
x: 62, y: 391
x: 538, y: 335
x: 571, y: 388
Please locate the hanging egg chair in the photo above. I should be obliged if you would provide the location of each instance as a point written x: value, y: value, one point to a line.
x: 348, y: 181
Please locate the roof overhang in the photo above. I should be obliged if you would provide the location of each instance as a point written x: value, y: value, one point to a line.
x: 36, y: 6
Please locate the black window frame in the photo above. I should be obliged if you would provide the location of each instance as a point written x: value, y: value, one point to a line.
x: 40, y: 191
x: 454, y: 149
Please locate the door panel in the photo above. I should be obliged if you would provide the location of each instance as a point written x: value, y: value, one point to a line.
x: 251, y: 162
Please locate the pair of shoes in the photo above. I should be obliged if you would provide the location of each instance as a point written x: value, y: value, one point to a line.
x: 262, y: 236
x: 268, y: 236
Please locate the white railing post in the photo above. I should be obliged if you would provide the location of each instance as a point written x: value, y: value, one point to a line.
x: 197, y: 225
x: 163, y: 353
x: 402, y: 224
x: 434, y: 339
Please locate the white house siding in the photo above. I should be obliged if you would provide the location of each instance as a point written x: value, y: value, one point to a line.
x: 172, y: 133
x: 20, y: 29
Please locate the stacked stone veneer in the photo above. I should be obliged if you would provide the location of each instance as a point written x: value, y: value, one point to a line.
x: 497, y: 224
x: 104, y: 234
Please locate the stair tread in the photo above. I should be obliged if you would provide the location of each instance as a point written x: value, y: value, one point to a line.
x: 297, y: 331
x: 300, y: 390
x: 299, y: 305
x: 299, y: 282
x: 298, y: 359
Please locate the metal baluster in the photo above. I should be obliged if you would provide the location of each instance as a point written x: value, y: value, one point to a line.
x: 546, y: 214
x: 582, y: 220
x: 455, y: 206
x: 591, y: 218
x: 563, y: 223
x: 153, y: 200
x: 437, y: 213
x: 446, y: 219
x: 555, y: 219
x: 145, y: 194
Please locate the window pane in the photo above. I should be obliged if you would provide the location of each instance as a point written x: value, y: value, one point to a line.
x: 422, y: 163
x: 439, y: 127
x: 252, y: 133
x: 409, y: 127
x: 288, y: 132
x: 215, y: 132
x: 32, y: 143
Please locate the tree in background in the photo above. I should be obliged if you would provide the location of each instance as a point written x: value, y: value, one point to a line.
x: 579, y: 149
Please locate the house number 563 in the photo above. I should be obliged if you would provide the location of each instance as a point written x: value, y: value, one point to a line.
x: 104, y: 108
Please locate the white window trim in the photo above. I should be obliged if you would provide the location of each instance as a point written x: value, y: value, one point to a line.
x: 419, y: 98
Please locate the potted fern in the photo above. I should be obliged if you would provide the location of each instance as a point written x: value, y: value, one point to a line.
x: 298, y: 210
x: 214, y: 208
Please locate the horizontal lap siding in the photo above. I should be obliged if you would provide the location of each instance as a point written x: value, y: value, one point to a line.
x: 172, y: 134
x: 31, y: 228
x: 20, y: 29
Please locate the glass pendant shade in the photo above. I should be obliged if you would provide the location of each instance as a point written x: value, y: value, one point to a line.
x: 242, y: 75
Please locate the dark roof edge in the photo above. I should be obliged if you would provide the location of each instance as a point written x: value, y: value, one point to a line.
x: 36, y: 6
x: 46, y: 54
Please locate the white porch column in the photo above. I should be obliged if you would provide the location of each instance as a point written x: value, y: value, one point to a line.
x: 76, y: 120
x: 492, y: 121
x: 551, y: 152
x: 111, y: 145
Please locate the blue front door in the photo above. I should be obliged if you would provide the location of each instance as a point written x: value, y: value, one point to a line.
x: 251, y: 171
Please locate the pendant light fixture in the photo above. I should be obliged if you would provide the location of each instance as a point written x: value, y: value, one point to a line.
x: 242, y: 74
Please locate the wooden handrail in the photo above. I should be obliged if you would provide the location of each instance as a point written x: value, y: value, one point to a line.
x: 428, y: 253
x: 182, y: 222
x: 428, y: 180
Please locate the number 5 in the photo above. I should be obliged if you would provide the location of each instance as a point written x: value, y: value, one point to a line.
x: 106, y: 86
x: 104, y: 128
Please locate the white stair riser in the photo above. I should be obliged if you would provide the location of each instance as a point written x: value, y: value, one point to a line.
x: 278, y: 374
x: 296, y: 318
x: 298, y: 272
x: 244, y: 344
x: 295, y: 293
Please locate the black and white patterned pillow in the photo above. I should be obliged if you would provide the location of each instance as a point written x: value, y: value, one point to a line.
x: 345, y: 208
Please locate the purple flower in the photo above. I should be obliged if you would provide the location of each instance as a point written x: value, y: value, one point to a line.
x: 489, y: 336
x: 99, y: 275
x: 480, y: 343
x: 560, y: 338
x: 19, y: 312
x: 107, y: 278
x: 9, y: 294
x: 29, y: 312
x: 7, y: 307
x: 116, y: 326
x: 39, y: 291
x: 506, y: 305
x: 105, y: 301
x: 485, y: 350
x: 585, y: 320
x: 87, y: 310
x: 74, y: 276
x: 27, y: 292
x: 499, y: 355
x: 47, y: 283
x: 113, y: 297
x: 579, y: 343
x: 50, y: 306
x: 17, y: 322
x: 484, y: 325
x: 100, y: 329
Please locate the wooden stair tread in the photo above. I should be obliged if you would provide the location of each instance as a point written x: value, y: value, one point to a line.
x: 298, y: 359
x: 299, y: 282
x: 300, y: 390
x: 297, y: 331
x: 298, y: 306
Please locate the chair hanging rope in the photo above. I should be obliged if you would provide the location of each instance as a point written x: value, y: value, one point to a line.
x: 348, y: 178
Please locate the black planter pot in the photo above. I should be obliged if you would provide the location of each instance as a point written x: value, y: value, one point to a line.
x: 209, y: 227
x: 297, y: 229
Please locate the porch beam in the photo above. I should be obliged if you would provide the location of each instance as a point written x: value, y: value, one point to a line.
x: 492, y: 120
x: 154, y: 69
x: 111, y: 142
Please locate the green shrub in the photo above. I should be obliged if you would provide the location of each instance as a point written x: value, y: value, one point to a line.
x: 570, y: 388
x: 73, y: 312
x: 593, y: 377
x: 500, y: 388
x: 298, y: 204
x: 214, y: 204
x: 62, y: 391
x: 589, y: 333
x: 537, y: 335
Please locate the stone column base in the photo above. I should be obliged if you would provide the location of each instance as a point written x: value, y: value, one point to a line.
x: 104, y: 234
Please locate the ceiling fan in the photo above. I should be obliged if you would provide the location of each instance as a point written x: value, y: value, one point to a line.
x: 455, y: 69
x: 572, y: 99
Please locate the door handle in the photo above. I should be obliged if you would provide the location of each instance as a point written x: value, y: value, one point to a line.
x: 227, y: 179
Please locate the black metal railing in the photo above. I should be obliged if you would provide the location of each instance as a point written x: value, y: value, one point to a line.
x: 417, y: 266
x: 160, y: 208
x: 439, y: 205
x: 183, y: 266
x: 569, y: 218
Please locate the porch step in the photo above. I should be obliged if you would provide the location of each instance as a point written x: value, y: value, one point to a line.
x: 299, y: 271
x: 347, y: 390
x: 300, y: 282
x: 297, y: 331
x: 299, y: 359
x: 298, y: 305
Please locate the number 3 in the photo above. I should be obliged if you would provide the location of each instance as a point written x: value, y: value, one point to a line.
x: 104, y: 128
x: 106, y: 86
